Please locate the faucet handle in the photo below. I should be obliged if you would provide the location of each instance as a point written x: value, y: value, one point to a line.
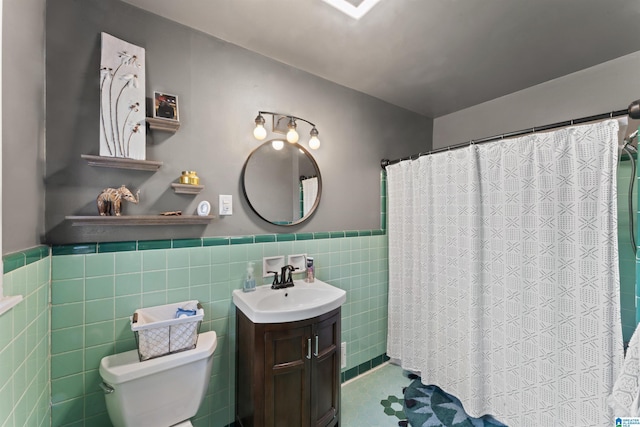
x: 275, y: 277
x: 291, y: 272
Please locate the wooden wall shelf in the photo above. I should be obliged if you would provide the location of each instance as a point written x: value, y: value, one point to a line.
x: 165, y: 125
x: 121, y: 163
x: 186, y: 188
x: 139, y: 220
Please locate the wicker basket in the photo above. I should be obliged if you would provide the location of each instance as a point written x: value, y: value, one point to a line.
x: 159, y: 333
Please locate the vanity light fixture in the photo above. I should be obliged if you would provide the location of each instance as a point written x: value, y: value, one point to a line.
x: 260, y: 132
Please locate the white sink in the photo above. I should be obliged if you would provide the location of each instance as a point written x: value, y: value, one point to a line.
x: 302, y: 301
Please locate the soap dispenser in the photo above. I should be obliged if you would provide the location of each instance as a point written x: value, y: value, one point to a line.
x: 250, y: 281
x: 310, y: 273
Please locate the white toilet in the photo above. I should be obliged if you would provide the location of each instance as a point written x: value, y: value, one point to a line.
x: 162, y: 392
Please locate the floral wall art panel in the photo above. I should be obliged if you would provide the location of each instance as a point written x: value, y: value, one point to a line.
x: 122, y: 108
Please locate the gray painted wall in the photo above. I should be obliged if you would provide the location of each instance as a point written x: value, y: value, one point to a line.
x: 609, y: 86
x: 23, y: 124
x: 220, y: 88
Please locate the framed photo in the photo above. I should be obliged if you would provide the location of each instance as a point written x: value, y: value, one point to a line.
x: 165, y: 106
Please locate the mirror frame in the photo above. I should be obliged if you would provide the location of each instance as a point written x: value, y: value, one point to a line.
x: 313, y: 163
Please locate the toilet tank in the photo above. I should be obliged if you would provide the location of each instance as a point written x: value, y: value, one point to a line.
x: 158, y: 392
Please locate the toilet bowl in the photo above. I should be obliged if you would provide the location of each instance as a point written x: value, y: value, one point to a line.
x: 162, y: 392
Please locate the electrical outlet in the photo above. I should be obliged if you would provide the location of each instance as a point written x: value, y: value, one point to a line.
x: 343, y: 355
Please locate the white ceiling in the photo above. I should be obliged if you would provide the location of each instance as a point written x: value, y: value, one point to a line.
x: 433, y: 57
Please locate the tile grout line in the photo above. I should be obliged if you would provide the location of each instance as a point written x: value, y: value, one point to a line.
x: 357, y: 377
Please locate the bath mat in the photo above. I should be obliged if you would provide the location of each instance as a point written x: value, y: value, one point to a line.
x: 429, y: 406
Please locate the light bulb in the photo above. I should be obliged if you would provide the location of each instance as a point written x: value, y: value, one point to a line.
x: 314, y: 143
x: 260, y: 132
x: 277, y: 144
x: 292, y: 136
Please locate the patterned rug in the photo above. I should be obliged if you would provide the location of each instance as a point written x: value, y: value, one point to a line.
x: 429, y: 406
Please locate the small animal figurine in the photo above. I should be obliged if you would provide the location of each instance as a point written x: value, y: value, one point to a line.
x: 111, y: 198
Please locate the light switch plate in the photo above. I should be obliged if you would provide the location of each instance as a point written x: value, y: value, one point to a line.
x: 225, y: 204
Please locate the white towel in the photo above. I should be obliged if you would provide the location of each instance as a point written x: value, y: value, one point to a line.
x: 625, y: 398
x: 309, y: 194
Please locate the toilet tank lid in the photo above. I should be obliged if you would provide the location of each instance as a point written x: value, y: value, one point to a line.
x: 122, y: 367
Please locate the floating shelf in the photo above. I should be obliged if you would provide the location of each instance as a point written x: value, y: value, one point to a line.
x: 166, y: 125
x: 139, y: 220
x: 186, y: 188
x: 121, y: 163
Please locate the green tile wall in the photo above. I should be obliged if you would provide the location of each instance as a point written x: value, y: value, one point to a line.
x: 626, y: 256
x: 24, y: 342
x: 93, y: 295
x: 637, y: 257
x: 83, y: 294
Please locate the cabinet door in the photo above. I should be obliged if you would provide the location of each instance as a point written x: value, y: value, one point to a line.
x: 325, y: 372
x: 287, y: 375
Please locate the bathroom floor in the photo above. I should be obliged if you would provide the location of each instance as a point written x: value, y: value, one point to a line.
x: 374, y: 399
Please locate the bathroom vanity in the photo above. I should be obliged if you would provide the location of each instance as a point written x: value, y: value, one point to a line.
x: 288, y: 372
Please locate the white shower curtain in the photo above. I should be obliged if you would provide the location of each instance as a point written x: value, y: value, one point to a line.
x: 503, y: 275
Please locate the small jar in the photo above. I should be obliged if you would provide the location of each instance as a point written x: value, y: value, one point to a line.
x: 189, y: 177
x: 193, y: 178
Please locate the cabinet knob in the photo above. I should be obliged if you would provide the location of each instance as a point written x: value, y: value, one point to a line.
x: 309, y: 349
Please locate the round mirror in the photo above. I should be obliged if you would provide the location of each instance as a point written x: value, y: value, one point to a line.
x: 281, y: 182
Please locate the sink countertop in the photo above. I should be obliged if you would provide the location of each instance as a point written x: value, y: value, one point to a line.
x: 302, y: 301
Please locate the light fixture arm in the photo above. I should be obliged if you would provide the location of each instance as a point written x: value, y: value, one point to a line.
x: 260, y: 113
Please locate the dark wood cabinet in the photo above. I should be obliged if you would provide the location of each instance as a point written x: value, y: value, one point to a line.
x: 288, y: 374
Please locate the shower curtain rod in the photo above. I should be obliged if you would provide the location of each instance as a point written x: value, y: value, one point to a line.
x: 632, y: 111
